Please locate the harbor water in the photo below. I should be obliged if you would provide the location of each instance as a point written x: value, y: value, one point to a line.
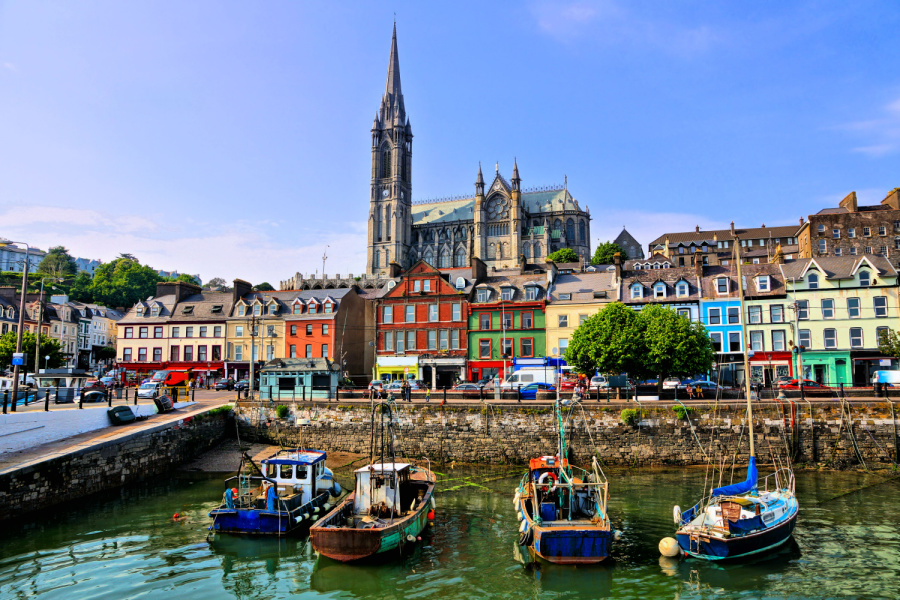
x: 127, y: 545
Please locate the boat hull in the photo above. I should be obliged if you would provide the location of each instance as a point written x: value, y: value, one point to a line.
x: 254, y: 521
x: 712, y: 548
x: 573, y: 543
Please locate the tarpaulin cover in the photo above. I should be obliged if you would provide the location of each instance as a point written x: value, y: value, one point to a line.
x: 743, y: 487
x: 746, y: 525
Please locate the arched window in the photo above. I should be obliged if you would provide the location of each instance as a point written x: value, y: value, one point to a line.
x: 864, y: 279
x: 387, y: 221
x: 526, y: 250
x: 582, y: 232
x: 376, y: 260
x: 460, y: 258
x: 460, y: 283
x: 428, y: 257
x: 386, y: 161
x: 538, y: 250
x: 444, y: 259
x: 570, y: 231
x: 813, y: 280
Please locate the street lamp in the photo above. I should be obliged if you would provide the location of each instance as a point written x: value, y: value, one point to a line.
x: 40, y: 320
x: 15, y: 388
x: 46, y: 361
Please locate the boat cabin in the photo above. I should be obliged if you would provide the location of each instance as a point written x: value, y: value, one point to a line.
x: 382, y: 484
x: 295, y: 472
x: 547, y: 462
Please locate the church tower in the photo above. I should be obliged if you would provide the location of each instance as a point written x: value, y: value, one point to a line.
x: 390, y: 201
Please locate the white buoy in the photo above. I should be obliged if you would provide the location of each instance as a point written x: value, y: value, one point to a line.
x: 523, y: 526
x: 676, y: 514
x: 410, y: 538
x: 669, y: 547
x: 617, y: 534
x: 433, y: 504
x: 519, y: 516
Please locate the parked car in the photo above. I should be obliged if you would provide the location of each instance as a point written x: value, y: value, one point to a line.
x: 794, y: 384
x: 467, y: 387
x: 529, y: 392
x: 94, y: 384
x: 93, y: 396
x: 486, y: 383
x: 598, y: 382
x: 148, y: 390
x: 220, y: 385
x: 376, y: 384
x: 783, y: 380
x: 706, y: 386
x: 242, y: 385
x: 568, y: 384
x: 670, y: 383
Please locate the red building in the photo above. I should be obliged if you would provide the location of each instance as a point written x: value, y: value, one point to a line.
x: 421, y: 325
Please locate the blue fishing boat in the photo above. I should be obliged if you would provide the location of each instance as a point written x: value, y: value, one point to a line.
x: 743, y: 519
x: 562, y: 509
x: 286, y: 493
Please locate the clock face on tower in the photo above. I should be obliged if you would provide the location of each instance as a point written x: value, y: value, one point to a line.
x: 498, y: 208
x: 385, y: 193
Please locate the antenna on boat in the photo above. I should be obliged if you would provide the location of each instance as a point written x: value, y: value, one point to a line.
x: 737, y: 250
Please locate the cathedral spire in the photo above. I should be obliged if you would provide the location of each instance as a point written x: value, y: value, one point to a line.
x: 479, y: 182
x: 392, y: 103
x: 516, y: 180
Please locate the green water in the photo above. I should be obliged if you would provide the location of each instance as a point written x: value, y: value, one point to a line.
x: 125, y: 545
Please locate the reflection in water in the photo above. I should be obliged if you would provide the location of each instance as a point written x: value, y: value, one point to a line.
x: 125, y: 545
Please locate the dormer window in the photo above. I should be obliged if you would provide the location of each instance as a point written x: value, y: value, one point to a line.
x: 256, y: 310
x: 637, y: 267
x: 659, y: 290
x: 154, y: 312
x: 762, y: 283
x: 187, y: 310
x: 482, y: 295
x: 506, y: 293
x: 297, y: 309
x: 460, y: 283
x: 813, y: 280
x: 140, y: 309
x: 721, y: 285
x: 531, y: 292
x: 327, y: 307
x: 313, y: 306
x: 637, y: 290
x: 242, y: 310
x: 682, y: 289
x: 864, y: 279
x: 273, y: 309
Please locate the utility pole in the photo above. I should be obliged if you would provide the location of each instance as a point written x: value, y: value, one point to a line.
x: 252, y: 349
x: 15, y: 388
x: 324, y: 258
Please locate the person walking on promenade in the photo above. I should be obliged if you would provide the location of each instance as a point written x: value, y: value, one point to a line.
x: 427, y: 394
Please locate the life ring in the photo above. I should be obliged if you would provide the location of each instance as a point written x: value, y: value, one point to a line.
x: 543, y: 480
x: 676, y: 514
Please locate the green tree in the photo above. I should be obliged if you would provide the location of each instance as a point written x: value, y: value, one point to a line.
x: 889, y: 343
x: 610, y: 341
x: 265, y: 286
x: 564, y: 255
x: 675, y: 346
x: 58, y: 263
x: 604, y: 253
x: 49, y: 347
x: 123, y: 282
x: 184, y: 277
x: 81, y: 288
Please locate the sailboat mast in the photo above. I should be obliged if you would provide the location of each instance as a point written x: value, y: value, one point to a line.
x: 737, y: 250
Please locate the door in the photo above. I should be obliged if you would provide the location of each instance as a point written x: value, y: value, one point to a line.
x: 820, y: 374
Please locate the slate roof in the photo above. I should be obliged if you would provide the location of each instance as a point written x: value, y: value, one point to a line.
x: 445, y: 211
x: 498, y: 282
x: 582, y: 287
x: 750, y: 272
x: 670, y: 277
x: 686, y: 237
x: 838, y: 267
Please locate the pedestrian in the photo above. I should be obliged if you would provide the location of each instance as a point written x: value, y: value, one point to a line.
x: 690, y: 391
x: 699, y: 391
x: 427, y: 394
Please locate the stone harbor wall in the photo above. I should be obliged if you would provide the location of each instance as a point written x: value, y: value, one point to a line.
x: 107, y: 465
x: 829, y: 434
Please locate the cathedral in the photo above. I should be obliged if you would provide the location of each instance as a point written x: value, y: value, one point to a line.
x: 503, y: 224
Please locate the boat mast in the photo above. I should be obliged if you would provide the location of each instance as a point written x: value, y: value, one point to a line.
x: 737, y: 250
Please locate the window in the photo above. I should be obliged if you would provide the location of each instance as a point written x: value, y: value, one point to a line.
x: 803, y: 338
x: 293, y: 352
x: 201, y: 353
x: 256, y: 310
x: 309, y: 329
x: 755, y: 313
x: 238, y: 331
x: 142, y: 333
x: 426, y: 285
x: 308, y: 351
x: 526, y: 347
x: 565, y: 296
x: 776, y: 313
x: 188, y: 353
x: 734, y: 315
x: 270, y: 331
x: 851, y: 233
x: 410, y: 340
x: 507, y: 320
x: 433, y: 313
x: 531, y: 292
x: 853, y: 308
x: 126, y: 354
x: 324, y: 350
x: 830, y: 337
x: 506, y: 348
x: 217, y: 331
x: 297, y: 308
x: 734, y: 342
x: 881, y: 334
x: 864, y: 279
x: 823, y: 247
x: 328, y: 306
x: 157, y: 332
x: 129, y: 332
x: 460, y: 282
x: 188, y: 332
x: 242, y: 310
x: 762, y: 283
x: 803, y: 309
x: 867, y: 232
x: 506, y: 293
x: 456, y: 311
x: 484, y: 348
x: 682, y: 289
x: 432, y: 340
x: 882, y: 230
x: 684, y: 312
x: 527, y: 320
x: 856, y: 337
x: 837, y: 251
x: 836, y: 233
x: 659, y: 290
x: 482, y: 295
x: 484, y: 321
x: 778, y: 340
x: 389, y: 341
x: 142, y: 354
x: 868, y: 249
x: 563, y: 344
x: 827, y: 308
x: 203, y: 331
x: 853, y: 251
x: 881, y: 306
x: 563, y: 320
x: 637, y: 290
x: 417, y: 285
x: 756, y: 341
x: 882, y: 250
x: 324, y: 328
x: 272, y: 309
x: 454, y: 339
x: 410, y: 313
x: 387, y: 315
x: 813, y: 281
x: 174, y: 353
x: 722, y: 285
x: 716, y: 338
x: 821, y: 228
x: 715, y: 316
x: 293, y: 330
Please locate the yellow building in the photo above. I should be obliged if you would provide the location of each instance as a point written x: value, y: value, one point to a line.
x: 573, y: 298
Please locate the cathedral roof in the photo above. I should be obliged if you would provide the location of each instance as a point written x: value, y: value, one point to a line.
x: 463, y: 209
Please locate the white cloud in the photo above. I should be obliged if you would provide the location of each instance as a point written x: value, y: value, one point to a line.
x: 243, y: 249
x: 9, y: 66
x: 882, y: 134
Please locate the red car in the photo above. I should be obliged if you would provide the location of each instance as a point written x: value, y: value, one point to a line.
x: 794, y: 384
x: 94, y: 384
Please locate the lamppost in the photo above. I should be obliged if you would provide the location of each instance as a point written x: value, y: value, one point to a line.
x: 46, y: 362
x: 40, y: 320
x: 15, y: 388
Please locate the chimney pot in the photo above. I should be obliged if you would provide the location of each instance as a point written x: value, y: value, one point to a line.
x: 801, y: 220
x: 697, y: 228
x: 732, y: 228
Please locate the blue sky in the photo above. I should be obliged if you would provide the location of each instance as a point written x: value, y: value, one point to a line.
x: 232, y: 139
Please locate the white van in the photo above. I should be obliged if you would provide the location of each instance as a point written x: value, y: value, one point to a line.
x: 523, y: 377
x: 889, y: 377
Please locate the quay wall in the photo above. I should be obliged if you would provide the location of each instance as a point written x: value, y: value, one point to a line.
x: 826, y: 434
x: 59, y: 478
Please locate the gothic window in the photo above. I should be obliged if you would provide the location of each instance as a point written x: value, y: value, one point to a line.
x: 492, y: 251
x: 498, y: 229
x: 462, y: 233
x: 376, y: 260
x: 444, y: 259
x: 387, y: 221
x: 428, y: 257
x: 498, y: 208
x: 460, y: 258
x: 378, y: 223
x: 582, y: 234
x: 526, y: 250
x: 570, y: 231
x: 386, y: 161
x: 538, y: 251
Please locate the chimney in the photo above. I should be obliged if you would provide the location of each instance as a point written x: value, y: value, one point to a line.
x: 241, y: 289
x: 696, y: 228
x: 892, y: 199
x: 179, y: 289
x: 849, y: 202
x: 617, y: 261
x: 732, y: 228
x: 698, y: 268
x: 479, y: 269
x: 8, y: 292
x: 395, y: 269
x: 763, y: 225
x: 801, y: 221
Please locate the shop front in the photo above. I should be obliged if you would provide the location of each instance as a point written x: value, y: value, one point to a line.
x: 136, y: 372
x: 828, y: 368
x: 482, y: 369
x: 866, y: 362
x: 728, y: 369
x: 441, y: 373
x: 768, y: 367
x: 391, y: 368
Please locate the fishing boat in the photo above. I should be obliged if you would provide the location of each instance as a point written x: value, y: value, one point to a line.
x: 284, y: 494
x: 743, y: 519
x: 392, y: 502
x: 562, y: 508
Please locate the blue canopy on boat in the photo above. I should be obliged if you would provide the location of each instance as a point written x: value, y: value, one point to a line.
x: 743, y: 487
x: 746, y: 525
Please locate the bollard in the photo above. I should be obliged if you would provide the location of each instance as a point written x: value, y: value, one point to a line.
x: 47, y: 401
x: 80, y: 399
x: 193, y: 394
x: 337, y: 394
x: 135, y: 397
x: 842, y: 390
x: 519, y: 394
x: 445, y: 395
x: 108, y: 398
x: 5, y: 400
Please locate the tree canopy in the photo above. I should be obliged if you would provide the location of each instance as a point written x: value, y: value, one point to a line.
x: 122, y: 282
x: 58, y: 263
x: 184, y: 277
x: 889, y: 343
x: 265, y: 286
x: 604, y: 253
x: 564, y: 255
x: 49, y: 347
x: 655, y: 342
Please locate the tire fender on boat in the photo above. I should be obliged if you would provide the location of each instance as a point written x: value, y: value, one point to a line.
x: 526, y: 538
x: 676, y: 514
